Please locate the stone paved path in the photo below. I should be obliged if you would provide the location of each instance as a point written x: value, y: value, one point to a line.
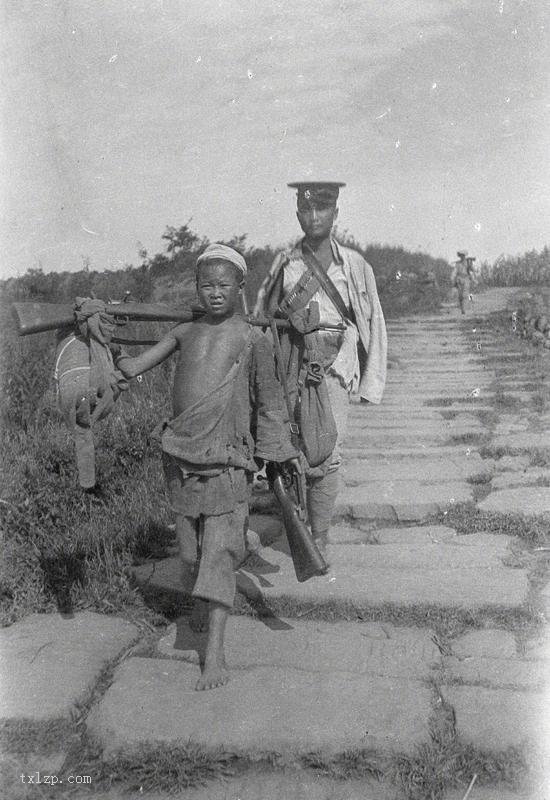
x: 416, y: 454
x: 417, y: 623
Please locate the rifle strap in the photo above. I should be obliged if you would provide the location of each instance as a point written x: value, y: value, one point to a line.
x: 330, y: 289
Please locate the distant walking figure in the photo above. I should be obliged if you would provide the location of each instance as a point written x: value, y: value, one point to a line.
x: 462, y: 274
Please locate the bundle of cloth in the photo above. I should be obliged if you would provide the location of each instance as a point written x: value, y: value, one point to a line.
x: 87, y: 382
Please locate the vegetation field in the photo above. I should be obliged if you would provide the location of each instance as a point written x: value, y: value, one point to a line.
x: 522, y: 270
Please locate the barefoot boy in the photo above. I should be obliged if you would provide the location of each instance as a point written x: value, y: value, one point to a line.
x: 228, y: 411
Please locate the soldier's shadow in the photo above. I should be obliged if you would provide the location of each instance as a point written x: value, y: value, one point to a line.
x: 257, y: 566
x: 253, y: 593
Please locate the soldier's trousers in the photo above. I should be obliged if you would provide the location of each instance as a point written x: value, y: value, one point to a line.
x: 323, y: 492
x: 463, y: 288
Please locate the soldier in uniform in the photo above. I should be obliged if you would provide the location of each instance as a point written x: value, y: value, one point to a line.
x: 320, y: 282
x: 463, y: 273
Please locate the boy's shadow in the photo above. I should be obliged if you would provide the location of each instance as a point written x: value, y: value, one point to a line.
x: 62, y: 571
x: 189, y: 640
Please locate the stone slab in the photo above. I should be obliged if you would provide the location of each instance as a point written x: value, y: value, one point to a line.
x: 460, y: 385
x: 526, y: 500
x: 401, y: 500
x: 497, y: 543
x: 421, y: 425
x: 512, y: 480
x: 445, y: 468
x: 420, y: 367
x: 353, y: 578
x: 525, y: 439
x: 354, y: 581
x: 345, y: 534
x: 369, y: 437
x: 411, y: 395
x: 544, y: 598
x: 485, y: 644
x: 421, y: 378
x: 397, y: 453
x: 510, y: 426
x: 389, y: 418
x: 498, y: 672
x: 427, y: 534
x: 49, y: 663
x: 261, y: 710
x: 473, y: 551
x: 369, y: 648
x: 538, y: 648
x: 495, y: 719
x: 512, y: 463
x: 494, y: 792
x: 286, y: 785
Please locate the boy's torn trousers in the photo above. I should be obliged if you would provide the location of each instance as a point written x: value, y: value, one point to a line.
x: 211, y: 549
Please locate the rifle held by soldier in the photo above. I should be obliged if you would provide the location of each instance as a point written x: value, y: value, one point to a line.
x: 305, y: 554
x: 306, y: 558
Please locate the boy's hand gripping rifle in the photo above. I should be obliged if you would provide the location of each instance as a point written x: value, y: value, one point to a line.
x: 289, y: 488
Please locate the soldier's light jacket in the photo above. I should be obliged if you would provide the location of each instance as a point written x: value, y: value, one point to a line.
x: 367, y: 313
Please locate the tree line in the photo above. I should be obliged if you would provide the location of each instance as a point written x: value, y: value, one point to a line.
x: 170, y: 273
x: 405, y: 279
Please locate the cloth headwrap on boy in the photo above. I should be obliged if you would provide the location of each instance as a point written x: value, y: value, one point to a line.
x: 221, y: 252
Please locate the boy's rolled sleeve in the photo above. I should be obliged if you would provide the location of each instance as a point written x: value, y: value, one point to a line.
x: 271, y: 425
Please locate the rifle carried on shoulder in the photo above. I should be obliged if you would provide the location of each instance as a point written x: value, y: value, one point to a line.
x: 37, y: 317
x: 289, y: 489
x: 34, y: 317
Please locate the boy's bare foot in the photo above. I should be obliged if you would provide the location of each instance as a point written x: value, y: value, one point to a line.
x: 214, y: 671
x: 213, y: 676
x: 198, y: 621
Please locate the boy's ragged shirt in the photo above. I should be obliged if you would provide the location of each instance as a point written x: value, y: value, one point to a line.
x: 212, y: 445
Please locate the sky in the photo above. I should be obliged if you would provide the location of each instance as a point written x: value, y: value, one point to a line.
x: 120, y: 118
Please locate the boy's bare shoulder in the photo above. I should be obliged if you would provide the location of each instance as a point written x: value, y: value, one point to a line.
x: 183, y: 329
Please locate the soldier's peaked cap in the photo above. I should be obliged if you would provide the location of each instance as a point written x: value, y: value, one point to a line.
x: 462, y: 252
x: 317, y: 191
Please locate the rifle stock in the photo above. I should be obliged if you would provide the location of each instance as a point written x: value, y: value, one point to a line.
x: 306, y: 558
